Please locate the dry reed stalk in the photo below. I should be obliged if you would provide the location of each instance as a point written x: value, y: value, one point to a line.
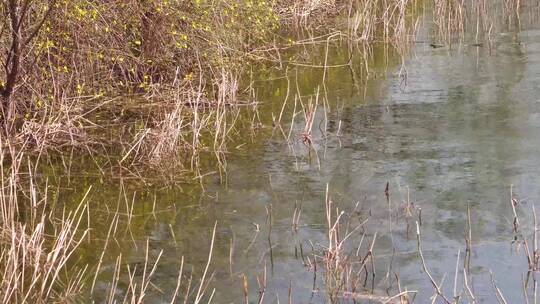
x: 436, y: 286
x: 387, y: 22
x: 178, y: 281
x: 514, y: 204
x: 200, y: 291
x: 309, y: 112
x: 342, y: 276
x: 245, y: 289
x: 33, y: 262
x: 467, y: 287
x: 137, y: 289
x: 450, y: 18
x: 500, y: 297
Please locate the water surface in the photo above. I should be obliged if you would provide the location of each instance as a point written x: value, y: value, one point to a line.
x: 458, y: 131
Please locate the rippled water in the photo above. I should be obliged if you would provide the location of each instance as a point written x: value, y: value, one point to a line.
x: 459, y: 130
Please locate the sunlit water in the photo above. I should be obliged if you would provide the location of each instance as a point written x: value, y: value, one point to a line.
x: 459, y: 130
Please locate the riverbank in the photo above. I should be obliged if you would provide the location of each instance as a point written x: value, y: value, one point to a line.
x: 164, y: 81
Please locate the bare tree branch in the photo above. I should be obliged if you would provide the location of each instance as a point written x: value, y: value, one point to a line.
x: 19, y: 13
x: 37, y: 28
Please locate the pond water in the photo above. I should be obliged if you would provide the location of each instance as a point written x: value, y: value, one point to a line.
x: 458, y: 131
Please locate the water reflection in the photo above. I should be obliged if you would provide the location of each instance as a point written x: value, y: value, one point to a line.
x: 460, y: 133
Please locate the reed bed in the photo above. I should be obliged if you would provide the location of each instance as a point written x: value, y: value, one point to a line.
x: 180, y: 67
x: 41, y: 242
x: 346, y: 261
x: 36, y: 248
x: 181, y: 63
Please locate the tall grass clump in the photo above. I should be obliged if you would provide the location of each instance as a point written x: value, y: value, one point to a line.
x: 36, y: 248
x: 475, y: 21
x: 41, y: 242
x: 178, y: 64
x: 376, y: 21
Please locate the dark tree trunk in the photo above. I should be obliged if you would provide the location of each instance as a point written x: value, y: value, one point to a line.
x: 23, y: 29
